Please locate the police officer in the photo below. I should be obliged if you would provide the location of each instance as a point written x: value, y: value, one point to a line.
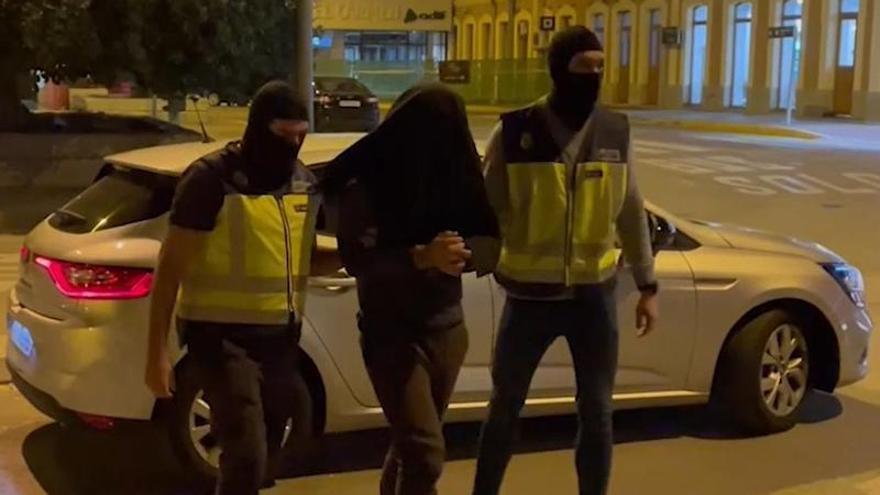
x: 238, y: 254
x: 560, y: 177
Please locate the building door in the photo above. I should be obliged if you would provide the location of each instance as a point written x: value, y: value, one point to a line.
x: 697, y: 54
x: 740, y: 59
x: 625, y: 56
x: 789, y: 53
x: 522, y: 40
x: 844, y: 76
x: 654, y: 44
x: 503, y: 46
x: 469, y: 44
x: 486, y: 41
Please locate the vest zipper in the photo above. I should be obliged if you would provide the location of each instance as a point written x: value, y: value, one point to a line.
x: 286, y: 225
x: 570, y: 179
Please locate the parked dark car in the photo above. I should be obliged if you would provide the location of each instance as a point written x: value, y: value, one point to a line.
x: 344, y: 104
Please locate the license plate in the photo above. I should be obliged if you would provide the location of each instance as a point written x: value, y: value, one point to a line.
x: 21, y: 338
x: 350, y: 103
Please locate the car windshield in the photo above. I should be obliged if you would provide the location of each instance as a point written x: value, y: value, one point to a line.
x: 119, y: 197
x: 340, y: 85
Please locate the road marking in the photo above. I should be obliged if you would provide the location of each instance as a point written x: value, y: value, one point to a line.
x: 8, y: 270
x: 758, y: 177
x: 673, y: 146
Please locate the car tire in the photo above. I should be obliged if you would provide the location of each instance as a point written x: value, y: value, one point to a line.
x: 762, y: 382
x: 199, y: 462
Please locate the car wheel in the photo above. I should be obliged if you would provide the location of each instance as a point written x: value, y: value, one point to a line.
x: 197, y: 446
x: 763, y: 375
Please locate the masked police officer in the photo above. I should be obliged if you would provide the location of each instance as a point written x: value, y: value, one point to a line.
x: 236, y: 261
x: 560, y: 177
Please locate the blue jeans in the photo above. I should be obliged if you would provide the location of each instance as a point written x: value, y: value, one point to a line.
x: 528, y: 327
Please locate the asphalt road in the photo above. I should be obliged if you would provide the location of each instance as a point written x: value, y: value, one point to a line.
x: 820, y: 191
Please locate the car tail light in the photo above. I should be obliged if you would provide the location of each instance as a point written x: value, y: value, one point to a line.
x: 325, y: 100
x: 82, y: 281
x: 372, y: 100
x: 100, y: 423
x: 24, y: 254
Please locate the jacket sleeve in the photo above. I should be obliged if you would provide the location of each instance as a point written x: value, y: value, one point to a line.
x: 487, y: 250
x: 357, y: 238
x: 632, y: 228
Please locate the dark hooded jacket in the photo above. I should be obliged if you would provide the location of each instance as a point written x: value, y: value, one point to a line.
x: 414, y: 177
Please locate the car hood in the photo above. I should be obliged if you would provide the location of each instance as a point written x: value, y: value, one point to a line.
x: 759, y: 240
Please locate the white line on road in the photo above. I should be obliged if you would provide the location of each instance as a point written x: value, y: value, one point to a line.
x: 672, y: 146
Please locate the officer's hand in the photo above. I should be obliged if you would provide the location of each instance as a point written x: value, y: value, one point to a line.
x: 159, y: 376
x: 646, y: 314
x: 446, y: 253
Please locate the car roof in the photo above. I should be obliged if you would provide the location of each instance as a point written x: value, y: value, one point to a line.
x: 173, y: 159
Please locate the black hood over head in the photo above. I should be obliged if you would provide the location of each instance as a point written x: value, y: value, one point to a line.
x: 574, y: 95
x: 269, y: 159
x: 420, y: 169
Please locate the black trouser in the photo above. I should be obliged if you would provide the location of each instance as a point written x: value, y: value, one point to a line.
x: 414, y: 380
x: 250, y: 382
x: 589, y: 324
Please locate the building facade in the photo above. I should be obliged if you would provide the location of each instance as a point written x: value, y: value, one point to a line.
x: 387, y: 44
x: 706, y: 54
x: 382, y: 30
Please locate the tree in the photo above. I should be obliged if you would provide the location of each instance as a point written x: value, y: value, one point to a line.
x: 169, y: 47
x: 49, y: 37
x: 231, y: 46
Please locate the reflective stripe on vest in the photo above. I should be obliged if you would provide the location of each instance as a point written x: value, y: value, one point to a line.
x: 561, y: 223
x: 255, y: 264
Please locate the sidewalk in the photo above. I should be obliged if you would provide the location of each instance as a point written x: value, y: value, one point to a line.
x: 731, y: 122
x: 773, y: 125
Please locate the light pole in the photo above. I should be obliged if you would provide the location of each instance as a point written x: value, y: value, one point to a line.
x: 303, y: 53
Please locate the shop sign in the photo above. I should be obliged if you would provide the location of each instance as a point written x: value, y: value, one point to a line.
x: 383, y: 15
x: 455, y: 72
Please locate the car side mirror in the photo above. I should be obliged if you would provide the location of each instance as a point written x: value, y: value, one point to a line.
x: 663, y: 233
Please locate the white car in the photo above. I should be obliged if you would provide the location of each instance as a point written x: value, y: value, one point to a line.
x: 749, y: 319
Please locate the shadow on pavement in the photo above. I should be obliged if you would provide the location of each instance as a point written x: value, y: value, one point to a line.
x: 342, y: 453
x: 132, y: 460
x: 136, y: 459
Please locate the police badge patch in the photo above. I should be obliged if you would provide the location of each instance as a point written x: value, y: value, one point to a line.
x: 526, y: 141
x: 608, y: 155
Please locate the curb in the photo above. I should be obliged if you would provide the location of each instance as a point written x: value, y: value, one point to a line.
x: 728, y: 128
x: 687, y: 125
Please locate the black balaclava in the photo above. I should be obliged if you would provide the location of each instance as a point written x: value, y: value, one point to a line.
x: 574, y: 95
x: 269, y: 159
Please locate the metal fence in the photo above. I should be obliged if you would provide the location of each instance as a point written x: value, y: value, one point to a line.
x: 491, y: 81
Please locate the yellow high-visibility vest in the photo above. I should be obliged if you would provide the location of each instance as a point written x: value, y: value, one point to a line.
x: 254, y: 268
x: 561, y: 222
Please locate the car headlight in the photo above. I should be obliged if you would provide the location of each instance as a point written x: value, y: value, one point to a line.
x: 850, y: 280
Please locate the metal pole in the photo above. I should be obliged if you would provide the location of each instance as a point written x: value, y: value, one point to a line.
x: 304, y: 55
x: 792, y: 83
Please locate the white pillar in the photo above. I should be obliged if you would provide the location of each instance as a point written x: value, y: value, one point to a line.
x: 866, y: 95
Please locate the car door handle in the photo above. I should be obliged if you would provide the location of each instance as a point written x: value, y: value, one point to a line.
x: 338, y: 282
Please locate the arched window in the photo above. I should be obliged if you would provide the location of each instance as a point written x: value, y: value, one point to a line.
x: 740, y: 56
x: 697, y: 53
x: 655, y: 27
x: 789, y: 53
x: 625, y: 55
x: 599, y: 27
